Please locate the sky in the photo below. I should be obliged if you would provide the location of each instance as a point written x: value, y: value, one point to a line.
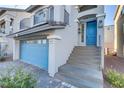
x: 109, y: 10
x: 15, y: 6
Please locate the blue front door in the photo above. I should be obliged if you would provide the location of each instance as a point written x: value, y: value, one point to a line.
x: 91, y: 33
x: 35, y: 52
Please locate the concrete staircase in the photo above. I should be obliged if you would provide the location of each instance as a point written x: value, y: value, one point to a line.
x: 83, y: 68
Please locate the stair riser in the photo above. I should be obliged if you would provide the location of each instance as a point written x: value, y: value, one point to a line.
x: 87, y: 47
x: 90, y: 64
x: 84, y: 57
x: 82, y: 77
x: 93, y: 65
x: 77, y: 82
x: 90, y: 51
x: 89, y: 60
x: 96, y: 67
x: 73, y: 82
x: 78, y: 71
x: 85, y: 53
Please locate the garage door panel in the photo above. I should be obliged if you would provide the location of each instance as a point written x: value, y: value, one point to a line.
x: 35, y: 54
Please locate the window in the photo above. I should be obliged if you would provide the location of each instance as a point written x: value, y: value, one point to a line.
x: 25, y: 23
x: 40, y: 41
x: 22, y: 25
x: 2, y: 27
x: 82, y: 33
x: 51, y: 14
x: 86, y: 7
x: 40, y: 17
x: 66, y: 17
x: 11, y: 22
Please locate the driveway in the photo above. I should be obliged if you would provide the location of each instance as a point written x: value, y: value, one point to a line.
x: 113, y: 62
x: 43, y: 79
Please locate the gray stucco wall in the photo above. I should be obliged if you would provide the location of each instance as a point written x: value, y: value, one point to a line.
x: 120, y: 36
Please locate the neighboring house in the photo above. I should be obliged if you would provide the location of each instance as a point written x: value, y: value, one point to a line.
x: 119, y: 31
x: 47, y: 35
x: 109, y: 39
x: 7, y: 19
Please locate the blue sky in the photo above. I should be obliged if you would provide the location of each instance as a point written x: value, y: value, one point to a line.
x: 110, y: 12
x: 15, y: 6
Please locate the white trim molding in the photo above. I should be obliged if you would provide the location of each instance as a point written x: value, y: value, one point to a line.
x: 101, y: 15
x: 54, y: 37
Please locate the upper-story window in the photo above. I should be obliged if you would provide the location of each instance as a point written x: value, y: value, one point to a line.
x: 11, y: 22
x: 40, y: 17
x: 66, y: 17
x: 25, y: 23
x: 86, y: 7
x: 2, y: 27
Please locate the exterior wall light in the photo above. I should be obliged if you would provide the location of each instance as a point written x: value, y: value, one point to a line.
x: 100, y: 24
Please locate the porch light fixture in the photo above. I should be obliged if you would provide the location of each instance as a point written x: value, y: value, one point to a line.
x: 100, y: 24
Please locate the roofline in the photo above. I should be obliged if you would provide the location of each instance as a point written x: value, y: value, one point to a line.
x: 12, y: 9
x: 116, y: 11
x: 31, y: 8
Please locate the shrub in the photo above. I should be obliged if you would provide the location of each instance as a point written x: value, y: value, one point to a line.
x: 18, y: 79
x: 115, y: 78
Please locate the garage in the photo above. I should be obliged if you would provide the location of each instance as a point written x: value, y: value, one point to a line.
x: 35, y: 52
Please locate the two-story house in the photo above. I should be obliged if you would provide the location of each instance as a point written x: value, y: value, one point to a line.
x: 7, y: 25
x: 47, y: 35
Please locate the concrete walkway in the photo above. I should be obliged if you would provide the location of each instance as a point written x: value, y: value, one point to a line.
x: 115, y: 63
x: 42, y: 77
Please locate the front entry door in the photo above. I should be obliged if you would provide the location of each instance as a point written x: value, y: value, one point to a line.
x: 91, y: 33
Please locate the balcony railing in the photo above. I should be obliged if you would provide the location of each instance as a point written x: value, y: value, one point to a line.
x: 43, y: 16
x: 25, y: 23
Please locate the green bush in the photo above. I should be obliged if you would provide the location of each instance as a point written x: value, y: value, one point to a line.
x: 17, y: 79
x: 115, y: 78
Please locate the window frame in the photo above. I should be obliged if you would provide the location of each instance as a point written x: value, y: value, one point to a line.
x: 45, y: 17
x: 66, y: 17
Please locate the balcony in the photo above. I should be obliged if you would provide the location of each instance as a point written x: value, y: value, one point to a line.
x: 25, y: 23
x: 42, y: 20
x: 86, y: 7
x: 42, y: 17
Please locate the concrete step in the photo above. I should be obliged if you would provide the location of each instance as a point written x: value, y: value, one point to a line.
x: 91, y: 66
x: 86, y: 53
x: 84, y: 57
x: 87, y: 60
x: 81, y: 83
x: 82, y: 68
x: 87, y: 47
x: 85, y: 63
x: 96, y: 67
x: 80, y: 71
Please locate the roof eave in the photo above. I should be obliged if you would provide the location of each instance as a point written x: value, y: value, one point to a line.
x: 11, y: 9
x: 32, y: 8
